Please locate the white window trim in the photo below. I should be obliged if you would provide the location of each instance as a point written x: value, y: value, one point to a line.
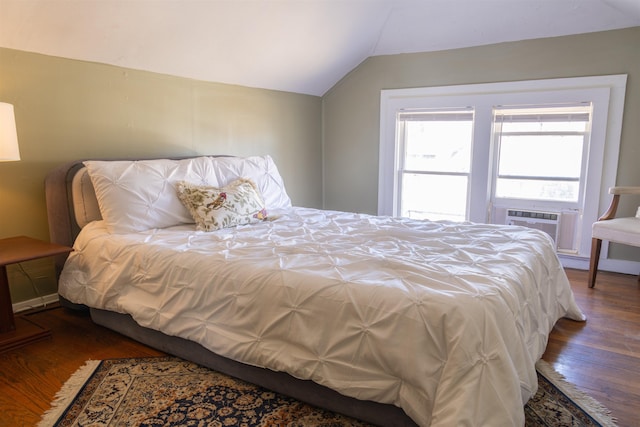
x: 604, y: 157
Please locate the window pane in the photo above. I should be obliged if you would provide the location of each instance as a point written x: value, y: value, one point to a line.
x: 434, y: 197
x: 541, y: 156
x: 566, y: 191
x: 438, y: 146
x: 544, y: 126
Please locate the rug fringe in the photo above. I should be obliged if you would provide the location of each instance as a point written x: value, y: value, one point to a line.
x: 591, y: 406
x: 68, y: 392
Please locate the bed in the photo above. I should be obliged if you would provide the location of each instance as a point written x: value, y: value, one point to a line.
x: 393, y: 321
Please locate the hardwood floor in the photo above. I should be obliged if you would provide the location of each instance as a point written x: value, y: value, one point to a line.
x: 31, y: 376
x: 600, y: 356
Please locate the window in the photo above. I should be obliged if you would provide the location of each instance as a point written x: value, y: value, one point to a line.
x: 542, y: 152
x: 435, y: 163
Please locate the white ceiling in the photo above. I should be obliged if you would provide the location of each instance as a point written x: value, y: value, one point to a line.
x: 302, y: 46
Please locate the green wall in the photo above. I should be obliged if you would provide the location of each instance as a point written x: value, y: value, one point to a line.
x: 67, y: 110
x: 351, y: 109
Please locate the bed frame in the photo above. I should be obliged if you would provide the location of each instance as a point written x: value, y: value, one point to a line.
x: 63, y: 229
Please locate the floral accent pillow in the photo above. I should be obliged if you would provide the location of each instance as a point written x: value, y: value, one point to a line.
x: 214, y: 208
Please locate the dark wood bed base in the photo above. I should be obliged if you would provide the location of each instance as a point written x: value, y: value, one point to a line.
x: 63, y: 229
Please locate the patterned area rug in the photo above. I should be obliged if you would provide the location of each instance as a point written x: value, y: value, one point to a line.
x: 166, y: 391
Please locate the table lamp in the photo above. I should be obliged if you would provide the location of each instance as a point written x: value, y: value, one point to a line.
x: 9, y: 150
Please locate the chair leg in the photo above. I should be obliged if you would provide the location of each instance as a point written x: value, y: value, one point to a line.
x: 596, y: 244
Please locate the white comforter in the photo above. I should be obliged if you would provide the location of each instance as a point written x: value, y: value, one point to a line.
x: 445, y: 320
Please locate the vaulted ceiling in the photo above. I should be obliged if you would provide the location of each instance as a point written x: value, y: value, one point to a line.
x: 302, y: 46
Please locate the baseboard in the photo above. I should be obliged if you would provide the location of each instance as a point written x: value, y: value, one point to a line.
x: 620, y: 266
x: 35, y: 303
x: 613, y: 265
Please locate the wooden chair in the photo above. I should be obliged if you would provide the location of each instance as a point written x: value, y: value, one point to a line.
x: 619, y: 230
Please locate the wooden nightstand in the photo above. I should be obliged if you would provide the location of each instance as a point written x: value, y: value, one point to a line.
x: 16, y: 331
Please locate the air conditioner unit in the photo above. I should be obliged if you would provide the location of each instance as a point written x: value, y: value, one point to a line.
x: 561, y: 226
x: 543, y: 221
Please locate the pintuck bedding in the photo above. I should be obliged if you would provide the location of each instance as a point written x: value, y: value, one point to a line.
x: 444, y: 320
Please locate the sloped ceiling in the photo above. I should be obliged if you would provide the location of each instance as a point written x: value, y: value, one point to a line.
x: 302, y: 46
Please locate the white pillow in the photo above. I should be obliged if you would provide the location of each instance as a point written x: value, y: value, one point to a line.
x: 137, y: 195
x: 260, y: 169
x: 140, y: 195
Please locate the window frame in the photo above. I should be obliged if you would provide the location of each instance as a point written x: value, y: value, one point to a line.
x: 606, y: 92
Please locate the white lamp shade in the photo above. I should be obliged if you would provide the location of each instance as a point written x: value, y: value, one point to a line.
x: 8, y: 135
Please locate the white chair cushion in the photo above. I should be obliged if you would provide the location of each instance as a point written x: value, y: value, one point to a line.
x: 619, y: 230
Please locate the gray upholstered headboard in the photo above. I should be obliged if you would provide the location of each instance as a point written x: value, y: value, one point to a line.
x: 83, y: 196
x: 63, y: 227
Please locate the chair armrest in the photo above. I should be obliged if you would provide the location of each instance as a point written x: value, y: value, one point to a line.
x: 617, y: 192
x: 624, y: 190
